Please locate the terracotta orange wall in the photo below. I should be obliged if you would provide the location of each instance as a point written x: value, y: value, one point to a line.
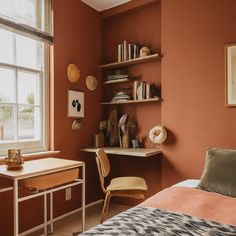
x: 193, y: 37
x: 141, y: 26
x: 77, y: 31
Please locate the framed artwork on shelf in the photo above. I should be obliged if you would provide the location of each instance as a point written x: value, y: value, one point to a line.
x: 230, y: 75
x: 75, y: 104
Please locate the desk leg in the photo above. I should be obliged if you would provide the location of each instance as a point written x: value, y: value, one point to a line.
x: 83, y: 199
x: 51, y: 212
x: 45, y: 214
x: 16, y: 207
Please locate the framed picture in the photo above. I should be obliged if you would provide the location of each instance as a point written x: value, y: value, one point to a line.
x: 75, y: 104
x: 231, y: 75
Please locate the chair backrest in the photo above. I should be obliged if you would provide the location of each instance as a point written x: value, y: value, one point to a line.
x: 103, y: 165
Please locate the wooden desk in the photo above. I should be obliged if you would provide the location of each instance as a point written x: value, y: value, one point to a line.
x: 138, y: 152
x: 39, y: 168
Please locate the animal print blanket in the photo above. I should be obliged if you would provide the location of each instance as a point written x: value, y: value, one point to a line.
x: 147, y: 221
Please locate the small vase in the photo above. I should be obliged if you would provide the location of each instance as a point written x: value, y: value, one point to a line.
x: 125, y: 140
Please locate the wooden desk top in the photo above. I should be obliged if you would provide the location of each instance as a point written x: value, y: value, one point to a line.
x: 138, y: 152
x: 39, y: 167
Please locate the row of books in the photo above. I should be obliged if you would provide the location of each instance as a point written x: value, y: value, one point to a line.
x: 127, y: 51
x: 144, y: 90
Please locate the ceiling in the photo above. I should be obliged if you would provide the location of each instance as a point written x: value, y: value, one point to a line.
x: 101, y: 5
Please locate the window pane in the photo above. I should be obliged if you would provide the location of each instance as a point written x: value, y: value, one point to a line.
x: 25, y: 12
x: 7, y: 127
x: 7, y: 46
x: 28, y: 52
x: 28, y: 123
x: 28, y: 88
x: 7, y: 84
x: 6, y: 9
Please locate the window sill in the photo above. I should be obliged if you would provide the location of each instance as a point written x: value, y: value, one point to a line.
x: 33, y: 156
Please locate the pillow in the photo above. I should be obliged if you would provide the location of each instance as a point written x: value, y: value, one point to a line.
x: 219, y: 174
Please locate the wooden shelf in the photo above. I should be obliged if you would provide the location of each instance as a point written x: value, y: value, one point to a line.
x: 130, y: 62
x: 132, y: 101
x: 138, y: 152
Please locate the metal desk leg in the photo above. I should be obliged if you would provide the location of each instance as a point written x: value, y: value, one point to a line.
x: 45, y: 214
x: 51, y: 212
x: 83, y: 199
x: 16, y: 207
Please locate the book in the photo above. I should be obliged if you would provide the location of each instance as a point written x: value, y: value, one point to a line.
x: 147, y: 90
x: 139, y: 90
x: 129, y: 51
x: 135, y: 85
x: 119, y: 53
x: 125, y: 51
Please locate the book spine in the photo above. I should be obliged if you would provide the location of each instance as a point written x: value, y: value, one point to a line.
x: 122, y: 52
x: 125, y: 50
x: 135, y: 51
x: 130, y: 51
x: 143, y: 90
x: 119, y: 53
x: 135, y: 86
x: 147, y: 90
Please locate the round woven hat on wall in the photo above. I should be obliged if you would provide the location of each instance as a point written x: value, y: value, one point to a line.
x: 73, y: 73
x: 158, y: 134
x: 91, y: 82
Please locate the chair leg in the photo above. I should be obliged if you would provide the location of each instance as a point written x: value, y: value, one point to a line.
x: 105, y: 207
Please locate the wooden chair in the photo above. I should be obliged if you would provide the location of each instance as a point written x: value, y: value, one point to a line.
x: 134, y: 187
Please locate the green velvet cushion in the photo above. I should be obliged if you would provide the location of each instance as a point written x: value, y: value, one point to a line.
x: 219, y: 174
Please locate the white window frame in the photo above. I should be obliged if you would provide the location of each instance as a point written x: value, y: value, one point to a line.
x: 31, y: 146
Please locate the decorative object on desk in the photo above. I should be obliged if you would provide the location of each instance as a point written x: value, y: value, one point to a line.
x: 91, y: 82
x: 135, y: 143
x: 144, y: 51
x: 126, y: 126
x: 99, y: 140
x: 230, y: 75
x: 75, y: 104
x: 112, y: 128
x: 77, y: 124
x: 158, y: 134
x: 14, y: 161
x: 103, y: 130
x: 73, y: 73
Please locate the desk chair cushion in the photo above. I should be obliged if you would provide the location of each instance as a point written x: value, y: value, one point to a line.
x: 127, y: 183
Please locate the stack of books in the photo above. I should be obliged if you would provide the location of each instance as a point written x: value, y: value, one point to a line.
x: 117, y: 77
x: 141, y: 90
x: 127, y: 51
x: 121, y: 97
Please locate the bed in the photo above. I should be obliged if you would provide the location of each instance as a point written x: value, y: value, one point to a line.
x: 182, y: 209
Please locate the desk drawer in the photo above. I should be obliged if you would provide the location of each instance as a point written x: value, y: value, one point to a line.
x: 50, y: 180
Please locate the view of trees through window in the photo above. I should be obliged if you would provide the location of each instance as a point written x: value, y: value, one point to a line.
x: 21, y: 71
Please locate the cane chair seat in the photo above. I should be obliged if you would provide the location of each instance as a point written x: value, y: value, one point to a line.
x: 127, y: 183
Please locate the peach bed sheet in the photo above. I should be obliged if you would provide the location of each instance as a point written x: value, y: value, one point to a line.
x: 196, y: 203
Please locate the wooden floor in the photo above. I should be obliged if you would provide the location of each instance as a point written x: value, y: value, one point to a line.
x: 72, y: 224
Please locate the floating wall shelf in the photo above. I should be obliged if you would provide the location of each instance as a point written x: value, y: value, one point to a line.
x: 132, y: 101
x: 139, y: 60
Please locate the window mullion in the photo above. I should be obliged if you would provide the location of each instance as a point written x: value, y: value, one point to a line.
x: 16, y: 106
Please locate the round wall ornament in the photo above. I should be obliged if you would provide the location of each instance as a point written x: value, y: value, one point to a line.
x: 73, y: 73
x: 158, y: 134
x: 91, y: 82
